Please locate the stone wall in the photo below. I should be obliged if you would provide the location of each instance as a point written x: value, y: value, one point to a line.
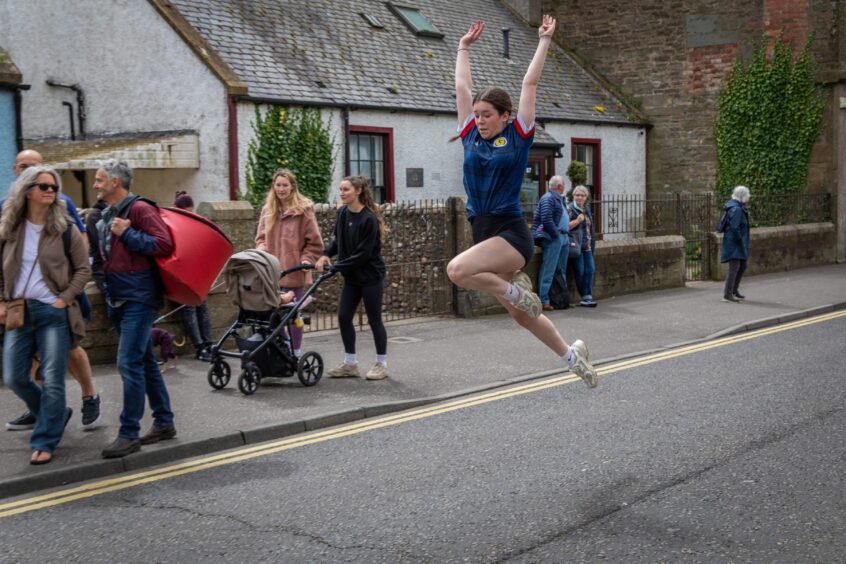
x: 669, y: 58
x: 775, y: 249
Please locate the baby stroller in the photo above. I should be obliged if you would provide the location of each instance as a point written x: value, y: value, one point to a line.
x: 262, y: 327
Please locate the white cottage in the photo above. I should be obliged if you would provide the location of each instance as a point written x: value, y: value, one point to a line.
x: 172, y: 87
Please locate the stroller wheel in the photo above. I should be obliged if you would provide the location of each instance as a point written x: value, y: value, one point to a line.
x: 250, y: 378
x: 310, y: 368
x: 219, y: 374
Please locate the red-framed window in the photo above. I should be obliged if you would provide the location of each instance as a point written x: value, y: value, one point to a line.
x: 371, y: 151
x: 589, y: 151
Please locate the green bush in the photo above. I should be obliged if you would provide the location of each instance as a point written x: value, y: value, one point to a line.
x: 294, y: 138
x: 577, y: 173
x: 769, y: 116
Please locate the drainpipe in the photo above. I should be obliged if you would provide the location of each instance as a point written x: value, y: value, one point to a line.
x: 18, y: 101
x: 346, y: 116
x: 70, y: 118
x: 232, y: 106
x: 80, y: 102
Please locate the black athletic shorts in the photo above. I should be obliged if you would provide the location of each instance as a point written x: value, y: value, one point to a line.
x: 515, y: 230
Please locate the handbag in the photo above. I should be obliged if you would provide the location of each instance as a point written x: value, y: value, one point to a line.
x: 576, y: 238
x: 15, y: 310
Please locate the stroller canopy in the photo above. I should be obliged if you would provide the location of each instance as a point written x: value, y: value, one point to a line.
x: 252, y: 280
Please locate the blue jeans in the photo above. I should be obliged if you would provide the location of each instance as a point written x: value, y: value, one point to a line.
x: 46, y: 330
x: 585, y: 269
x: 138, y: 369
x: 197, y: 324
x: 549, y: 264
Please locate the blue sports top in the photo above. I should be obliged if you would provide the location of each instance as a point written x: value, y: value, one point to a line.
x: 494, y: 168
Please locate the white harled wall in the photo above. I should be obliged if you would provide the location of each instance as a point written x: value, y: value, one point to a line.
x: 137, y: 74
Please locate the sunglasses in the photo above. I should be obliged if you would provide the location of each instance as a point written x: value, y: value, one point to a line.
x: 43, y: 186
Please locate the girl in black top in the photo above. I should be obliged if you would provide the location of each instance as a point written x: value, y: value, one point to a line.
x: 358, y: 243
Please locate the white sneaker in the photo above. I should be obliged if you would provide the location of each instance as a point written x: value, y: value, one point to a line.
x: 378, y: 372
x: 581, y: 367
x: 527, y: 300
x: 344, y: 371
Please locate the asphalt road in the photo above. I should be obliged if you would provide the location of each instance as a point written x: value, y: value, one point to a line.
x: 729, y: 451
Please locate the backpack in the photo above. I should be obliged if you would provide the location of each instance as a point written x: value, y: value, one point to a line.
x: 722, y: 223
x: 200, y: 250
x: 559, y: 295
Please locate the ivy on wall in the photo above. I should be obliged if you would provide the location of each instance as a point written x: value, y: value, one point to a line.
x: 769, y: 116
x: 293, y: 138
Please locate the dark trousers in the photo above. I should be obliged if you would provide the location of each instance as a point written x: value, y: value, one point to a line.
x: 736, y: 268
x: 350, y: 298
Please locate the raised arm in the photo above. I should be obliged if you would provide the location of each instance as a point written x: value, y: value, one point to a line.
x: 463, y: 79
x: 526, y: 110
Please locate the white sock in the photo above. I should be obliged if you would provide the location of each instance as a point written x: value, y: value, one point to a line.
x: 350, y: 359
x: 511, y: 293
x: 569, y: 357
x: 382, y: 359
x: 298, y: 352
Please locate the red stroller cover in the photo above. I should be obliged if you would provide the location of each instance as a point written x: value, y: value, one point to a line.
x: 200, y: 249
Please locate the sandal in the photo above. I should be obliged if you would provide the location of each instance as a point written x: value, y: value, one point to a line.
x: 38, y: 457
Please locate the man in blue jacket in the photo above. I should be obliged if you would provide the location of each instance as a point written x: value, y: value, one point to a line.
x: 550, y: 233
x: 131, y: 234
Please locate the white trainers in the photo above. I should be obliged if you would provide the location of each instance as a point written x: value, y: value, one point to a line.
x: 581, y: 366
x: 378, y: 372
x: 344, y: 371
x: 527, y: 300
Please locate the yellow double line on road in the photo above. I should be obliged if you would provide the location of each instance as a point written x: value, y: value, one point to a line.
x: 242, y: 454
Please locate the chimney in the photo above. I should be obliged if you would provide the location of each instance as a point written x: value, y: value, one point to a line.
x: 505, y: 52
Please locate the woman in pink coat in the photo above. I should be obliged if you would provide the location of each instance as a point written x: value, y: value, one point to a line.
x: 288, y: 230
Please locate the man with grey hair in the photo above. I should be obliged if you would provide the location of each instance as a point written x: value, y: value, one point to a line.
x: 549, y: 230
x: 131, y: 234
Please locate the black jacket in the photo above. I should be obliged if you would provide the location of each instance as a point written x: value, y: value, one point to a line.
x: 358, y: 246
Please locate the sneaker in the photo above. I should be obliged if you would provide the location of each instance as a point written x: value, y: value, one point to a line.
x: 22, y: 423
x: 90, y: 413
x: 121, y: 447
x: 204, y: 354
x: 156, y: 434
x: 588, y: 303
x: 581, y: 366
x: 527, y: 300
x: 731, y: 299
x: 548, y: 307
x: 344, y: 371
x: 378, y: 372
x: 739, y: 296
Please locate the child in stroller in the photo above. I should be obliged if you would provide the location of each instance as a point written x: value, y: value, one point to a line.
x: 261, y: 328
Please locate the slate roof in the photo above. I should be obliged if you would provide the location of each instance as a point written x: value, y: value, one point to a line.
x: 285, y: 49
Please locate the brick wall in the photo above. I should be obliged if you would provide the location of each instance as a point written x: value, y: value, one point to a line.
x: 669, y: 57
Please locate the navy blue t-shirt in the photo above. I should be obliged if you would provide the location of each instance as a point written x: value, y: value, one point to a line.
x: 494, y: 168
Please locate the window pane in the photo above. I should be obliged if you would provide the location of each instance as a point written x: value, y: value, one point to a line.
x: 364, y: 147
x: 416, y: 19
x: 379, y: 173
x: 378, y: 142
x: 354, y: 168
x: 364, y: 169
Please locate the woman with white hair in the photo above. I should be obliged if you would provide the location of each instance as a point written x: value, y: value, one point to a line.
x: 735, y: 249
x: 40, y: 279
x: 583, y: 234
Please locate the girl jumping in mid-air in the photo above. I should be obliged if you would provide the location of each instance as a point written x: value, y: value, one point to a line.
x: 496, y: 152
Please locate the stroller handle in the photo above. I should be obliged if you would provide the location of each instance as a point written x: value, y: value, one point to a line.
x: 304, y: 266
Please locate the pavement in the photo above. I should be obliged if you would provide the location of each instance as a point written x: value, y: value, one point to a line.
x: 430, y: 360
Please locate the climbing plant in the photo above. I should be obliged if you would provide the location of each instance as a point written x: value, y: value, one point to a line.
x: 577, y: 173
x: 769, y: 116
x: 294, y: 138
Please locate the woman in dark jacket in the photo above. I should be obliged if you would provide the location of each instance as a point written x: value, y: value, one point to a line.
x: 581, y: 223
x: 735, y: 249
x: 359, y: 230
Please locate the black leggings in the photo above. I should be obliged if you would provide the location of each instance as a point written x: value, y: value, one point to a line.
x: 736, y: 268
x: 350, y: 298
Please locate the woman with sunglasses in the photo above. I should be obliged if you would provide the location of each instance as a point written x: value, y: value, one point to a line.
x: 36, y: 268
